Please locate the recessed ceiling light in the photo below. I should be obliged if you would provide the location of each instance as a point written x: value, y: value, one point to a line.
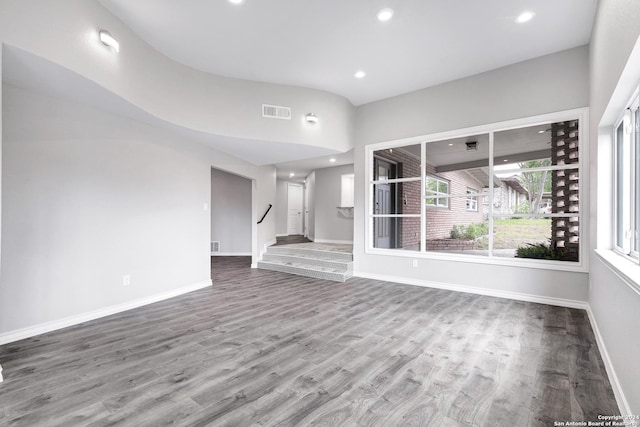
x: 291, y: 175
x: 332, y: 160
x: 541, y: 131
x: 385, y: 14
x: 451, y: 144
x: 236, y: 1
x: 359, y: 74
x: 525, y: 17
x: 505, y: 160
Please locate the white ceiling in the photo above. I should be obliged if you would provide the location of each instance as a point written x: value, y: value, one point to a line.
x: 321, y: 44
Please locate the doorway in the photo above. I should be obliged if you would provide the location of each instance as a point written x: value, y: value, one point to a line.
x: 232, y: 213
x: 384, y: 200
x: 295, y: 201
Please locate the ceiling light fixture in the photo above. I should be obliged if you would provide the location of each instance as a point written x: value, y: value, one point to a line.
x: 525, y: 17
x: 332, y: 160
x: 359, y: 74
x: 385, y: 14
x: 236, y: 1
x: 472, y: 145
x: 291, y: 175
x: 108, y: 40
x: 541, y: 131
x: 311, y: 118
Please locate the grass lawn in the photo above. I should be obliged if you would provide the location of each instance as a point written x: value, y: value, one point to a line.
x: 514, y: 232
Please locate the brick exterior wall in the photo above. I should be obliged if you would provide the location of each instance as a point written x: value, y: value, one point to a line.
x: 440, y: 221
x: 407, y: 195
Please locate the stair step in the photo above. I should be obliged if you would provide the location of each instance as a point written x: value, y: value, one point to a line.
x: 308, y: 270
x: 310, y: 253
x: 346, y: 266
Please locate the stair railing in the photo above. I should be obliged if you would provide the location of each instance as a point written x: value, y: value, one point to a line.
x: 265, y: 214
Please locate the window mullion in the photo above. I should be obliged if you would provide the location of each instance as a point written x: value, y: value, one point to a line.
x: 626, y: 190
x: 491, y: 193
x: 635, y: 176
x: 423, y: 198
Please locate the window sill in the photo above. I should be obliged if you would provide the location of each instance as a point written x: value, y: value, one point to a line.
x: 579, y: 267
x: 628, y: 270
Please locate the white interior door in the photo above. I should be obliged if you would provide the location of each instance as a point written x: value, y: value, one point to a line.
x: 295, y: 203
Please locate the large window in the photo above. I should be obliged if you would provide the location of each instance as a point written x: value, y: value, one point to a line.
x: 627, y: 174
x: 510, y: 192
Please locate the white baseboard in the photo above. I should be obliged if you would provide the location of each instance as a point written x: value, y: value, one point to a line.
x: 230, y: 253
x: 623, y: 404
x: 43, y: 328
x: 281, y: 235
x: 337, y: 242
x: 561, y: 302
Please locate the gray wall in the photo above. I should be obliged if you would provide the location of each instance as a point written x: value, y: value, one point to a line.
x: 329, y: 225
x: 88, y: 197
x: 281, y: 207
x: 614, y: 300
x: 231, y: 212
x: 548, y: 84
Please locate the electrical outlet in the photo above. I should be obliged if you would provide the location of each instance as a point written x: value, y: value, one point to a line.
x: 126, y: 280
x: 415, y: 263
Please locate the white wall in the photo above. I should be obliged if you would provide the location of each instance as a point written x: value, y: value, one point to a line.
x: 231, y: 222
x: 329, y: 225
x: 164, y: 88
x: 281, y: 207
x: 548, y: 84
x: 310, y: 192
x: 1, y: 132
x: 89, y: 197
x: 615, y: 303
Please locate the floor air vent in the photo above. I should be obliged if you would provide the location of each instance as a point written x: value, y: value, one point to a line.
x: 215, y: 247
x: 276, y: 112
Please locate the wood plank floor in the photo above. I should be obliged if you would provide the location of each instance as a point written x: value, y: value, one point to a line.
x: 262, y: 348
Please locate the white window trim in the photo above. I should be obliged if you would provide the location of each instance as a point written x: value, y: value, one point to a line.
x: 581, y: 114
x: 437, y: 194
x: 472, y: 198
x: 629, y: 178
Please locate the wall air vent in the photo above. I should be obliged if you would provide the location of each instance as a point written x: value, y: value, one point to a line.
x: 215, y: 247
x: 276, y: 112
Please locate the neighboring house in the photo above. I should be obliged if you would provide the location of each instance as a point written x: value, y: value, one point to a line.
x: 508, y: 197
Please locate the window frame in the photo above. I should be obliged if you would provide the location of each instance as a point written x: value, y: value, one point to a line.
x: 437, y: 195
x: 580, y: 114
x: 626, y: 172
x: 472, y: 198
